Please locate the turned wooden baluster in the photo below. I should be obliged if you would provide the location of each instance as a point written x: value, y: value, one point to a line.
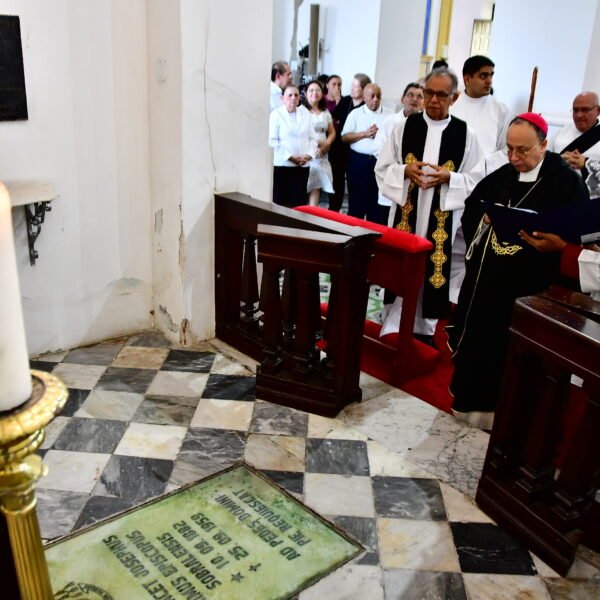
x: 510, y: 424
x: 305, y: 354
x: 332, y: 324
x: 249, y: 288
x: 549, y: 391
x: 289, y: 308
x: 272, y: 331
x: 578, y: 478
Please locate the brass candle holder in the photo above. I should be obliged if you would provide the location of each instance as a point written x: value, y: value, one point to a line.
x: 21, y: 434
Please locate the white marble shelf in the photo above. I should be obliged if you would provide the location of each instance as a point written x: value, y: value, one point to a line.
x: 30, y: 192
x: 35, y: 197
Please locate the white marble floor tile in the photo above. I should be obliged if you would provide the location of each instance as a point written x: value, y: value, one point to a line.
x: 351, y: 496
x: 223, y: 414
x: 151, y: 441
x: 387, y: 463
x: 223, y: 365
x: 276, y: 452
x: 53, y: 356
x: 72, y: 471
x: 137, y: 357
x: 349, y: 582
x: 412, y: 544
x: 331, y: 429
x: 53, y: 430
x: 80, y: 377
x: 423, y: 435
x: 104, y: 404
x: 580, y: 569
x: 372, y: 387
x: 462, y: 508
x: 233, y: 354
x: 174, y: 383
x: 505, y: 587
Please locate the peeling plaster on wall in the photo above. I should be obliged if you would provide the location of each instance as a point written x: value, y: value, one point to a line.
x: 158, y: 221
x: 294, y: 40
x: 167, y: 320
x: 184, y: 331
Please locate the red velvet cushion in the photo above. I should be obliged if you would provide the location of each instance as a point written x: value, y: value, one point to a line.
x: 395, y: 238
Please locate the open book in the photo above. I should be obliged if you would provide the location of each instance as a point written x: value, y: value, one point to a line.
x: 577, y: 223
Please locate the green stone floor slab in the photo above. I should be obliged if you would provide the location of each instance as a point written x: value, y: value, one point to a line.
x: 232, y: 536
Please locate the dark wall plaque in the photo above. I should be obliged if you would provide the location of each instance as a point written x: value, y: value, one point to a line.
x: 13, y: 99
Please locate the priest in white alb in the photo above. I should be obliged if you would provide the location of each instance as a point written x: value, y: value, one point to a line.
x: 428, y: 167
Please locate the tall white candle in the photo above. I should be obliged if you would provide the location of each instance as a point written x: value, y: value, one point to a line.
x: 15, y: 378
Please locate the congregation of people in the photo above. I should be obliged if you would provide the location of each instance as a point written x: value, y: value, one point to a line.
x: 435, y: 168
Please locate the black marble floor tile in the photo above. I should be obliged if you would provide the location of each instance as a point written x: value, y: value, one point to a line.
x: 404, y: 584
x: 189, y: 361
x: 101, y: 354
x: 74, y: 401
x: 364, y: 530
x: 98, y: 508
x: 58, y: 511
x: 120, y: 379
x: 90, y: 435
x: 42, y: 365
x: 408, y: 498
x: 290, y: 481
x: 230, y: 387
x: 166, y: 410
x: 206, y: 451
x: 485, y: 548
x: 149, y: 339
x: 278, y: 420
x: 134, y: 478
x: 337, y: 457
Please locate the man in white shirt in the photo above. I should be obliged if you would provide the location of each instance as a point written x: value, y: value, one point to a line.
x: 412, y: 102
x: 281, y: 77
x: 428, y: 166
x: 579, y: 141
x: 359, y: 132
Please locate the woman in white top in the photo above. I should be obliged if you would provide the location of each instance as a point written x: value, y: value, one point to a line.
x: 320, y: 176
x: 292, y: 138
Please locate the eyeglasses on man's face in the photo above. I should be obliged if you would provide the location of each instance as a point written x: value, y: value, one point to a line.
x: 440, y: 95
x: 583, y: 109
x: 520, y: 152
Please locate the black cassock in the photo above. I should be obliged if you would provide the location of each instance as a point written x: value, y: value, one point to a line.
x: 497, y: 273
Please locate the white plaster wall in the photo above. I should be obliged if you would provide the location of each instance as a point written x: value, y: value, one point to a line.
x: 283, y: 22
x: 224, y: 124
x: 87, y: 133
x: 558, y: 44
x: 349, y: 29
x: 592, y: 73
x: 164, y: 101
x: 464, y: 12
x: 399, y: 45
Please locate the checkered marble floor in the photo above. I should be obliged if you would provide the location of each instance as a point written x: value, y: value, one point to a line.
x: 144, y: 418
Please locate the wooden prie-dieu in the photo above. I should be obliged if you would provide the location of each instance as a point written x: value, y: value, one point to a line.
x: 535, y: 483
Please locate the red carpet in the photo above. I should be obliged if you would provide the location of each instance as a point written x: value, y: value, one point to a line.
x: 433, y: 387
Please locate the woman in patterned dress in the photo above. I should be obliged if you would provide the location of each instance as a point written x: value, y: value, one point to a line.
x: 320, y: 176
